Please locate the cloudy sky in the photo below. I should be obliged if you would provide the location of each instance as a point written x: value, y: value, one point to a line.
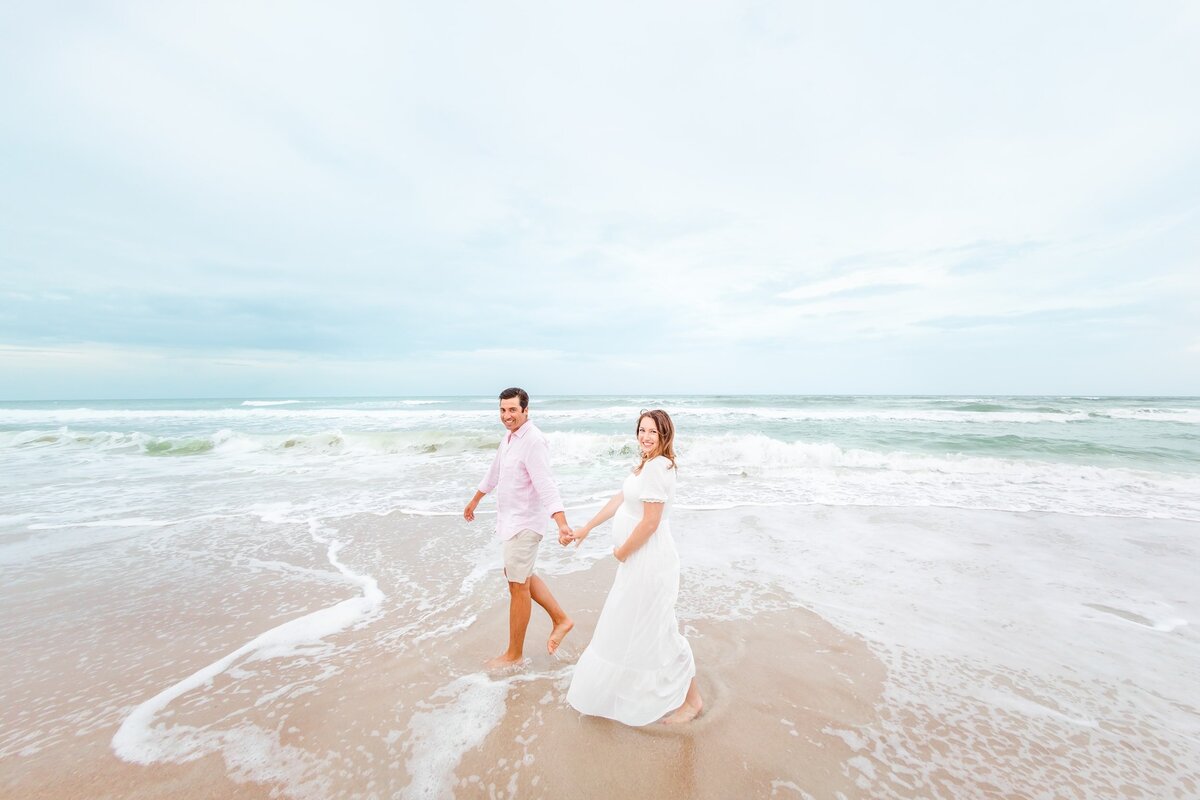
x: 281, y: 199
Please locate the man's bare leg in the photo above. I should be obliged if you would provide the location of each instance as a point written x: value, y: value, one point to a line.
x: 540, y: 593
x: 518, y: 621
x: 691, y: 708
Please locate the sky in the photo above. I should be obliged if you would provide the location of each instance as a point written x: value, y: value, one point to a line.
x: 291, y: 199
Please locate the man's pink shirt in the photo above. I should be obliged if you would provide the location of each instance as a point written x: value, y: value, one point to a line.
x: 526, y: 494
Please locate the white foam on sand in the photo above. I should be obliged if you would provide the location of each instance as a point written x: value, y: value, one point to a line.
x: 417, y: 512
x: 1003, y: 634
x: 484, y: 560
x: 250, y: 754
x: 250, y: 751
x: 439, y: 736
x: 57, y: 538
x: 442, y: 732
x: 129, y: 522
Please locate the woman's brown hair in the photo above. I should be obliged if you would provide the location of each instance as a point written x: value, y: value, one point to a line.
x: 666, y: 437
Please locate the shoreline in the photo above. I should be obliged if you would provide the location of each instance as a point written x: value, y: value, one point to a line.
x: 955, y: 684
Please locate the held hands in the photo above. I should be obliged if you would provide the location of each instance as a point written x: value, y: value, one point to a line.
x: 469, y: 512
x: 567, y: 536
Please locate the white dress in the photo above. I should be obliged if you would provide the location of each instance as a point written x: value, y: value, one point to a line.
x: 638, y: 666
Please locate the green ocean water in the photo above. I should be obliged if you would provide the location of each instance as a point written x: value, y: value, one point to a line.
x: 1128, y: 456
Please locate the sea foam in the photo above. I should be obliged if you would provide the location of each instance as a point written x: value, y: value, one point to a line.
x: 139, y: 740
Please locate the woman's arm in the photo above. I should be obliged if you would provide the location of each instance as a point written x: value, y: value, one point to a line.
x: 651, y: 516
x: 602, y: 516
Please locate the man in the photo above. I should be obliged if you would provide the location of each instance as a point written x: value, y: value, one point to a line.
x: 525, y: 495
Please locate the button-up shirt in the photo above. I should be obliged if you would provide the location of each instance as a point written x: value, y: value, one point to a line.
x: 525, y: 490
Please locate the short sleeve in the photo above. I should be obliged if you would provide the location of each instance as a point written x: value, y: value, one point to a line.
x: 656, y: 481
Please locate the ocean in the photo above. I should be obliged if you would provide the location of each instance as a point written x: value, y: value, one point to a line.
x: 183, y: 579
x: 1135, y: 457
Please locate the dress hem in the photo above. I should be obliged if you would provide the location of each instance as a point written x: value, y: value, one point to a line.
x: 676, y: 703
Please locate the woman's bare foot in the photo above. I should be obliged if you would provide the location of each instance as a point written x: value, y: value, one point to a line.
x: 558, y: 634
x: 685, y: 713
x: 691, y: 708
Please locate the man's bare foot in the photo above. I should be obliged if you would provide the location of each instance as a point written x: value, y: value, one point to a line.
x: 685, y: 713
x: 503, y: 661
x: 558, y: 634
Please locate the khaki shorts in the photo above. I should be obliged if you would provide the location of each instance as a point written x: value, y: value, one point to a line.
x: 520, y: 552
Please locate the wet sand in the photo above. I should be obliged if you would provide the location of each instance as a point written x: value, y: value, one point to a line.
x: 772, y: 686
x: 395, y: 704
x: 345, y: 727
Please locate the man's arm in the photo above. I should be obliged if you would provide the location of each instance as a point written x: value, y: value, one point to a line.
x: 538, y: 465
x: 486, y: 485
x: 469, y: 511
x: 564, y: 530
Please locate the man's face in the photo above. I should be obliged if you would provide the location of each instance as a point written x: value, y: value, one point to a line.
x: 511, y: 413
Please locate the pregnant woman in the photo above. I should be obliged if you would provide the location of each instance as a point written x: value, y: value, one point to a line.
x: 638, y: 668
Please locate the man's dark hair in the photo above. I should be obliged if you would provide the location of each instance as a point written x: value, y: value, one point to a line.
x: 509, y: 394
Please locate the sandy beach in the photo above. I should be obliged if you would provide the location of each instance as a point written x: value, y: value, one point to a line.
x: 896, y: 664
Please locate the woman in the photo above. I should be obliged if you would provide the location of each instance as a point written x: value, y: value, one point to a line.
x: 638, y: 668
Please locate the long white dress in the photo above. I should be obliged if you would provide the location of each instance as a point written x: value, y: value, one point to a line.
x: 638, y: 666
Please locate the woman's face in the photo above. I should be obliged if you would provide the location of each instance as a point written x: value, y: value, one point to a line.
x: 647, y: 434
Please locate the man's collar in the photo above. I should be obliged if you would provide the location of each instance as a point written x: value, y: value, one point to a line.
x: 519, y: 432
